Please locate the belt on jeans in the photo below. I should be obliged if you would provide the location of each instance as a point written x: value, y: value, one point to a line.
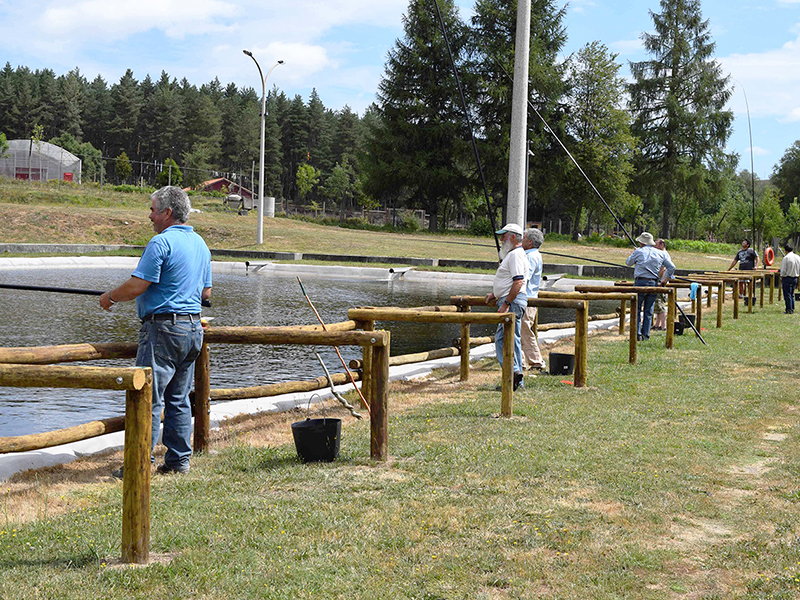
x: 646, y: 279
x: 171, y: 317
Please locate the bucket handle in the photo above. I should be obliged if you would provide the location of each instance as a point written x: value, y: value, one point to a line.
x: 308, y: 407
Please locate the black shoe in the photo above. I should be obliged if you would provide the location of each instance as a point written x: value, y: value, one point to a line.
x: 518, y: 381
x: 167, y: 470
x: 117, y: 473
x: 639, y: 338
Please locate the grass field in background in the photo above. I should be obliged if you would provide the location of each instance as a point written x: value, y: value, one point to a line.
x: 32, y: 213
x: 676, y: 477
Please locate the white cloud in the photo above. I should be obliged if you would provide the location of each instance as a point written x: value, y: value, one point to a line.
x: 625, y: 47
x: 118, y: 20
x: 770, y: 79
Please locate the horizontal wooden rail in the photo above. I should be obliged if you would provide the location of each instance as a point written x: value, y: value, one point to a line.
x: 68, y: 435
x: 287, y: 335
x: 276, y: 389
x: 417, y: 316
x: 97, y: 378
x: 408, y: 359
x: 44, y: 355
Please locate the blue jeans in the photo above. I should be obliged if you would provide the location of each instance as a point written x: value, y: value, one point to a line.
x: 789, y: 285
x: 518, y: 310
x: 170, y: 349
x: 646, y: 302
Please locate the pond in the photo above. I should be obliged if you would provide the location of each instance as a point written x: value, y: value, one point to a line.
x: 40, y: 319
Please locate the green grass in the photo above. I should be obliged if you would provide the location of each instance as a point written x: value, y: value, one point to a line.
x: 655, y: 482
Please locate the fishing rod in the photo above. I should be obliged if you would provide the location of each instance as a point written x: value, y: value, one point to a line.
x: 62, y: 290
x: 489, y: 206
x: 339, y: 354
x: 558, y: 139
x: 596, y: 191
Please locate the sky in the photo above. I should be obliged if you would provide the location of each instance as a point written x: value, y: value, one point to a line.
x: 339, y: 47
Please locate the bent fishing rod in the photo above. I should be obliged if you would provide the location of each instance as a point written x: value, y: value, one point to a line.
x: 62, y: 290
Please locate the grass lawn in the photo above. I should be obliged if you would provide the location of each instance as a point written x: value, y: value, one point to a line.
x: 68, y: 214
x: 676, y: 477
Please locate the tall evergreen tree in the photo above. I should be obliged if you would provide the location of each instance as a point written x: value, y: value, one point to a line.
x: 45, y: 92
x: 599, y: 133
x: 97, y: 114
x: 168, y: 114
x: 126, y: 104
x: 294, y: 142
x: 678, y: 102
x: 70, y: 103
x: 787, y: 175
x: 494, y: 30
x: 423, y: 137
x: 320, y: 137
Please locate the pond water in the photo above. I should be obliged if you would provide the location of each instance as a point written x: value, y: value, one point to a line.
x: 40, y: 319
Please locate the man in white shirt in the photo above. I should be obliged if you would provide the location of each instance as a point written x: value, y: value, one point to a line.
x: 508, y: 290
x: 790, y: 271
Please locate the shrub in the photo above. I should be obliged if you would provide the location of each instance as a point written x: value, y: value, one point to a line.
x: 481, y: 227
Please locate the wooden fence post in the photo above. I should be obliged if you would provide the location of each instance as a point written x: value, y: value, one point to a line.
x: 379, y: 401
x: 763, y: 285
x: 136, y: 474
x: 671, y: 313
x: 735, y: 284
x: 366, y: 375
x: 632, y: 338
x: 507, y: 400
x: 699, y: 312
x: 622, y: 309
x: 464, y: 307
x: 720, y: 296
x: 581, y: 347
x: 202, y: 400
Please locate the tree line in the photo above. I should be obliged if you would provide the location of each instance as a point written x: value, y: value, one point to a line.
x: 653, y: 148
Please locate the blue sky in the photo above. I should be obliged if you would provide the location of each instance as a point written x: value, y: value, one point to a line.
x: 339, y: 47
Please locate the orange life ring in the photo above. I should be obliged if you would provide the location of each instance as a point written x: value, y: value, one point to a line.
x: 769, y: 256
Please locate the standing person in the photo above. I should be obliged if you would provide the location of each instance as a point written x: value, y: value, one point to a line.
x: 660, y: 306
x: 790, y: 271
x: 747, y: 259
x: 169, y: 284
x: 508, y: 290
x: 532, y: 240
x: 647, y: 262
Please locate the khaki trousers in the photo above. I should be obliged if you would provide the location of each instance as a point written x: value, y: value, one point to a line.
x: 531, y: 357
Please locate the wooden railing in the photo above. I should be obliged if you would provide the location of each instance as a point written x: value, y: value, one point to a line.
x: 581, y: 333
x: 138, y: 385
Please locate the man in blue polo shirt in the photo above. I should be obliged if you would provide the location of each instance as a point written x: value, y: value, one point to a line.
x: 647, y: 262
x: 169, y: 284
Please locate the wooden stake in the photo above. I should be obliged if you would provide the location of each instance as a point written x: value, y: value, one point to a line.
x: 202, y: 400
x: 581, y: 349
x: 136, y: 475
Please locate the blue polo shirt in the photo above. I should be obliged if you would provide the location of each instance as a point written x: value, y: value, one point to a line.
x: 177, y: 263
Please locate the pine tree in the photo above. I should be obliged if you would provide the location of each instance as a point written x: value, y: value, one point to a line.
x: 599, y: 133
x: 422, y: 141
x: 126, y: 104
x: 97, y: 113
x: 678, y: 102
x: 494, y: 30
x: 320, y: 137
x: 787, y: 175
x: 70, y: 103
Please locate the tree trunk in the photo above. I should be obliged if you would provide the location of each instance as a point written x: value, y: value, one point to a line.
x: 576, y: 223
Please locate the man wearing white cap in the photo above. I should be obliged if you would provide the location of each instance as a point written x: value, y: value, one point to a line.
x: 647, y: 262
x: 508, y: 289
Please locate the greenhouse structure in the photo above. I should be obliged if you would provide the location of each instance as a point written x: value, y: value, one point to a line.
x: 39, y: 161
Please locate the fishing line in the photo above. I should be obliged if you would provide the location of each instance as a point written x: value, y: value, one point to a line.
x: 489, y: 206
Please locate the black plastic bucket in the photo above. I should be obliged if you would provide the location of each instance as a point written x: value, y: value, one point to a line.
x: 317, y: 440
x: 561, y: 364
x: 686, y: 319
x: 679, y: 327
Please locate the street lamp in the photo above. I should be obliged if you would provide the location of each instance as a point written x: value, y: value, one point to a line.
x: 260, y: 234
